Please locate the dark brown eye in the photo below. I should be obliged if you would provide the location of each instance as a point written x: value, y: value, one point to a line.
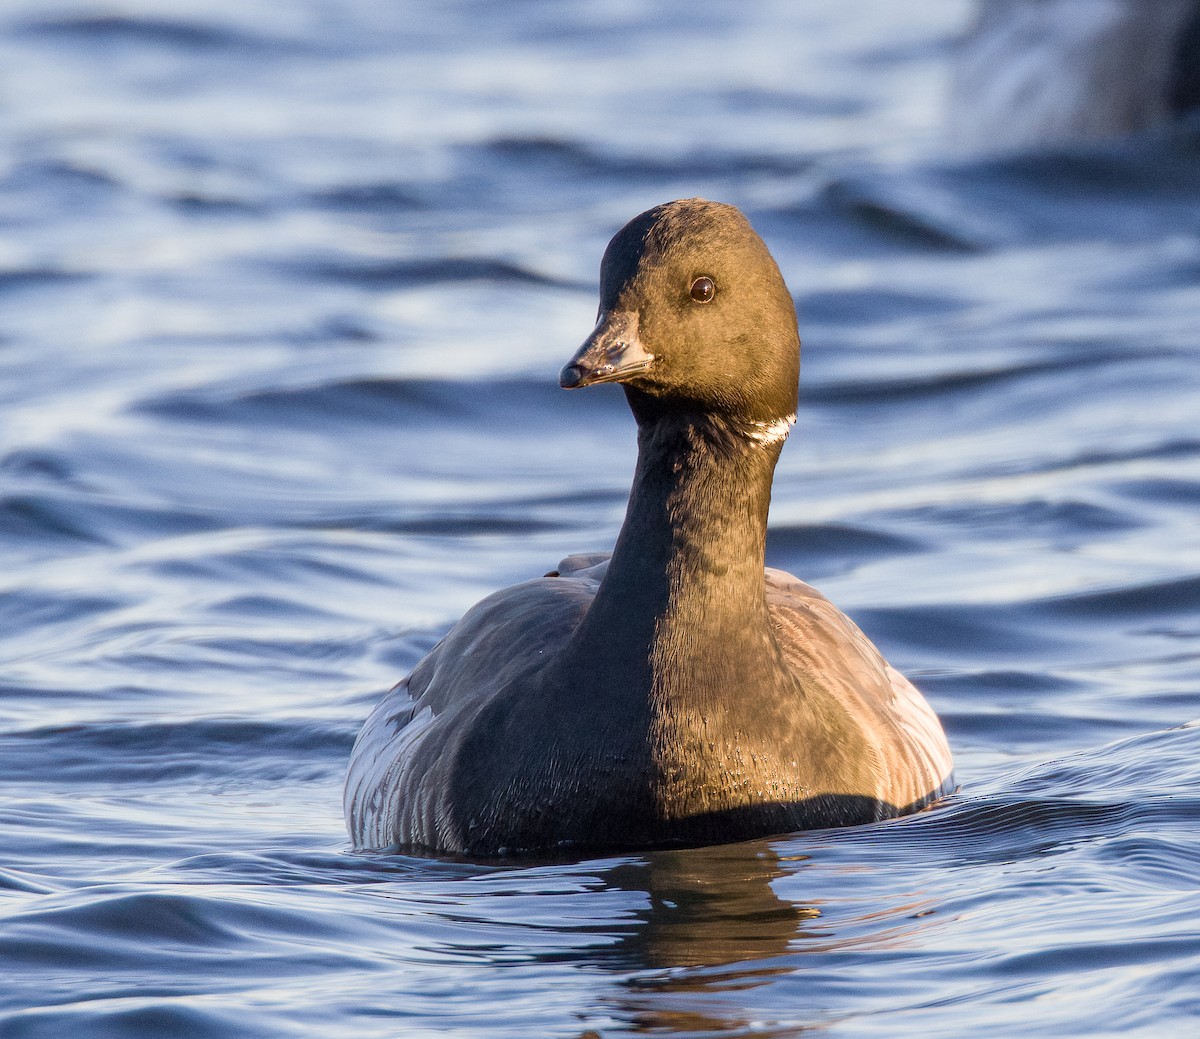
x: 703, y: 289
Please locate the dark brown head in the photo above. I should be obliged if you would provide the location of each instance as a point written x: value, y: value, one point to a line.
x: 694, y: 314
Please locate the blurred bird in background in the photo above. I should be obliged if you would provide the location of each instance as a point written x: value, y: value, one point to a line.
x: 1032, y: 72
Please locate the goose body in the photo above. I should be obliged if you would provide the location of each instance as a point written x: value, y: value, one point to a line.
x: 677, y: 691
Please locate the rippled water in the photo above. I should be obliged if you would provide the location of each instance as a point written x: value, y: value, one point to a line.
x: 284, y: 292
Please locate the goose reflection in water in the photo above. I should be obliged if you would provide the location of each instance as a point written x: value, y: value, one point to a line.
x: 715, y: 925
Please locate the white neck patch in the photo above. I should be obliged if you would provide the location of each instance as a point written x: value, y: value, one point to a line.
x: 770, y: 432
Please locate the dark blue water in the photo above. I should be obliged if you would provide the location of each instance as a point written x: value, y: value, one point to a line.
x: 284, y: 290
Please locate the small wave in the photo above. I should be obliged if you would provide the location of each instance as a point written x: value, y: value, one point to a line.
x: 964, y: 631
x: 801, y: 547
x: 202, y: 203
x: 406, y: 274
x: 383, y: 401
x: 33, y: 518
x: 575, y: 159
x: 1152, y: 860
x: 118, y: 925
x: 363, y: 400
x: 16, y: 279
x: 1163, y: 766
x: 1067, y: 521
x: 380, y: 196
x: 999, y: 827
x: 61, y: 177
x: 872, y: 304
x: 15, y: 880
x: 292, y: 867
x: 936, y: 384
x: 136, y: 933
x: 443, y: 524
x: 1167, y: 597
x: 275, y: 608
x: 36, y: 518
x: 127, y: 752
x: 1168, y: 448
x: 35, y: 187
x: 1158, y: 170
x: 902, y: 220
x: 38, y: 464
x: 134, y: 1011
x: 973, y: 831
x: 26, y: 611
x: 1160, y: 489
x: 101, y: 29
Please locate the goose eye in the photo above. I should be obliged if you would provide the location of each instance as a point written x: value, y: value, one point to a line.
x: 703, y: 289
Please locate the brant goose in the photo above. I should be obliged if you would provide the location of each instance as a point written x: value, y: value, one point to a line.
x: 675, y: 692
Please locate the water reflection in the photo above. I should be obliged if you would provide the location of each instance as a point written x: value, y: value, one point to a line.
x: 715, y: 927
x: 709, y: 906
